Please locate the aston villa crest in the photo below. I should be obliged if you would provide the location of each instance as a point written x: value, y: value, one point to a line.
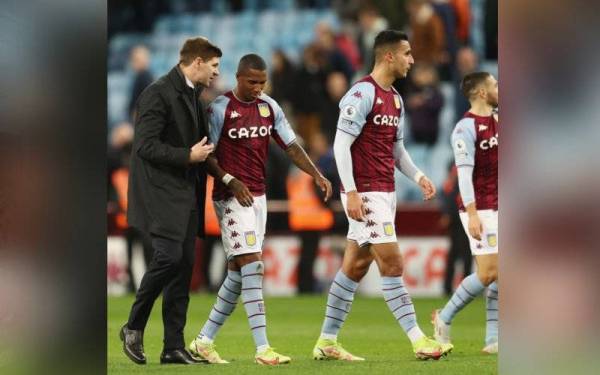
x: 250, y: 238
x: 263, y: 109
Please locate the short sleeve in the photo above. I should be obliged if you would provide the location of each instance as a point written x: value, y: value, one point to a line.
x: 282, y: 130
x: 463, y: 142
x: 216, y: 118
x: 354, y: 108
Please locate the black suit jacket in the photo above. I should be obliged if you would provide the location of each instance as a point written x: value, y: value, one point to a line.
x: 163, y: 186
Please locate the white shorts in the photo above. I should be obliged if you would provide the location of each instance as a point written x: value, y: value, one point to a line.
x: 489, y: 237
x: 378, y: 227
x: 242, y: 228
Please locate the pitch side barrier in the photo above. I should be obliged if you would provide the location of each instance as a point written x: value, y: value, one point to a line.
x: 422, y: 241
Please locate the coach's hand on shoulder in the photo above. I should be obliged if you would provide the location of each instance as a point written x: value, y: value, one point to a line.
x: 325, y: 186
x: 200, y: 151
x: 475, y: 227
x: 241, y: 192
x: 427, y: 187
x: 356, y: 209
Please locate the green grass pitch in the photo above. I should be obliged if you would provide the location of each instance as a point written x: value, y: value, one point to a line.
x: 293, y: 325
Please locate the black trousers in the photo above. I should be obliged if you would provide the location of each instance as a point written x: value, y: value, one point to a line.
x: 133, y: 236
x: 309, y: 246
x: 170, y: 272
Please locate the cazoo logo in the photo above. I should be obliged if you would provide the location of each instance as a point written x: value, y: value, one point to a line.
x: 250, y: 132
x: 487, y: 144
x: 388, y: 120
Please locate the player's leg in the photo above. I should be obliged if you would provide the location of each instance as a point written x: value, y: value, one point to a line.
x: 389, y: 260
x: 249, y: 260
x: 486, y: 257
x: 471, y: 286
x: 226, y: 301
x: 355, y: 266
x: 252, y: 271
x: 230, y: 216
x: 491, y: 328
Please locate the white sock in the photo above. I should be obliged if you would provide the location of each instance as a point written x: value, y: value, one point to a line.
x: 415, y: 334
x: 205, y: 339
x: 262, y: 348
x: 328, y: 336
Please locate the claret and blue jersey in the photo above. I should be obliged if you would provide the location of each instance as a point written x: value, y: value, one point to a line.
x: 376, y: 117
x: 240, y: 132
x: 475, y: 144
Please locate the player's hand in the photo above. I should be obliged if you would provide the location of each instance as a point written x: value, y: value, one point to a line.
x: 475, y: 227
x: 427, y: 188
x: 200, y: 151
x: 241, y: 192
x: 354, y: 204
x: 325, y: 186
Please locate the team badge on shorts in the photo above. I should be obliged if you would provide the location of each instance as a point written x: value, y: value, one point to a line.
x: 492, y: 239
x: 388, y: 229
x: 397, y: 101
x: 263, y: 109
x: 250, y: 238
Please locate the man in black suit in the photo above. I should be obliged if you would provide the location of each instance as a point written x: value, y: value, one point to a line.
x: 167, y: 187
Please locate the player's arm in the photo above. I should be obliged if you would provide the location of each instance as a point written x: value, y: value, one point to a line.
x: 354, y: 108
x: 286, y: 139
x: 463, y: 146
x: 151, y: 121
x: 467, y: 193
x: 407, y: 167
x: 216, y: 116
x: 343, y: 160
x: 298, y: 156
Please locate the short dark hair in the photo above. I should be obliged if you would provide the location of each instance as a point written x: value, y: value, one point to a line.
x: 251, y: 61
x: 386, y: 39
x: 471, y: 82
x: 198, y: 47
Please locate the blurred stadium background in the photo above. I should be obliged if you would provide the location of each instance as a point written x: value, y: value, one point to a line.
x: 315, y: 50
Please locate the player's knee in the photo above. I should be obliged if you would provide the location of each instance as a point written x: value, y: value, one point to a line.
x: 357, y: 273
x: 488, y: 275
x: 358, y: 269
x: 392, y: 271
x: 391, y: 266
x: 363, y: 264
x: 242, y: 260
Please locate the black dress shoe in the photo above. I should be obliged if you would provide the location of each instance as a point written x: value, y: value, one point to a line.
x: 179, y: 356
x: 133, y: 344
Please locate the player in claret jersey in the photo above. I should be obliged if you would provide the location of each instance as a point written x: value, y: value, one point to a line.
x: 368, y: 144
x: 475, y: 145
x: 241, y: 124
